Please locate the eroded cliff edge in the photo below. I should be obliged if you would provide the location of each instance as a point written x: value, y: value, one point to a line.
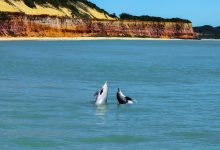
x: 22, y: 25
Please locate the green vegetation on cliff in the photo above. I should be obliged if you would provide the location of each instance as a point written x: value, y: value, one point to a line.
x: 68, y: 4
x: 126, y: 16
x: 207, y: 32
x: 73, y: 8
x: 3, y: 16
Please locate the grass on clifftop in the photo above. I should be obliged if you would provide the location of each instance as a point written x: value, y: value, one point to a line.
x: 125, y: 16
x: 73, y: 6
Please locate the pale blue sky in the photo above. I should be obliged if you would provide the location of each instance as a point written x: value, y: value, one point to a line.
x: 200, y: 12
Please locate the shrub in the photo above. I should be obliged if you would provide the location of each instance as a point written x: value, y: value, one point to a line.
x: 30, y: 3
x: 3, y: 16
x: 126, y: 16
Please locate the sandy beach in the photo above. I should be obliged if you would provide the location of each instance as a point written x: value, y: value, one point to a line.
x: 75, y: 38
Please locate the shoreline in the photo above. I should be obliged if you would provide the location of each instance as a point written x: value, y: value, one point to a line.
x: 92, y: 39
x: 78, y: 38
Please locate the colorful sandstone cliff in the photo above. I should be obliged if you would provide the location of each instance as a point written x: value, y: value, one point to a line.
x: 22, y: 22
x: 21, y: 25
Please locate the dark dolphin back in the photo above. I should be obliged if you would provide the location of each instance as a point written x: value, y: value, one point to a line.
x: 121, y: 99
x: 128, y: 98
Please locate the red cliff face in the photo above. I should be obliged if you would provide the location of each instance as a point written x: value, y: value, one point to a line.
x: 19, y: 25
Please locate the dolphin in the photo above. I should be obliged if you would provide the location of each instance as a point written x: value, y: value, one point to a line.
x: 122, y: 99
x: 102, y: 95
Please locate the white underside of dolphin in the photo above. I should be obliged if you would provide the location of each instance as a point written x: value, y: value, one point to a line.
x: 102, y: 95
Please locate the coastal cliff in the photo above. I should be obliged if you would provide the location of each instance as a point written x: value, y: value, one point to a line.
x: 81, y: 18
x: 22, y: 25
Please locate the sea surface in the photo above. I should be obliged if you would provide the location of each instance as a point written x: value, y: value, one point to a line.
x: 47, y: 102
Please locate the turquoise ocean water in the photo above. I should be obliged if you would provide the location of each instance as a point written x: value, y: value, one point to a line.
x: 47, y: 87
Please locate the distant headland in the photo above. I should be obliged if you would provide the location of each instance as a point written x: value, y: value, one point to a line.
x: 207, y: 32
x: 81, y: 18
